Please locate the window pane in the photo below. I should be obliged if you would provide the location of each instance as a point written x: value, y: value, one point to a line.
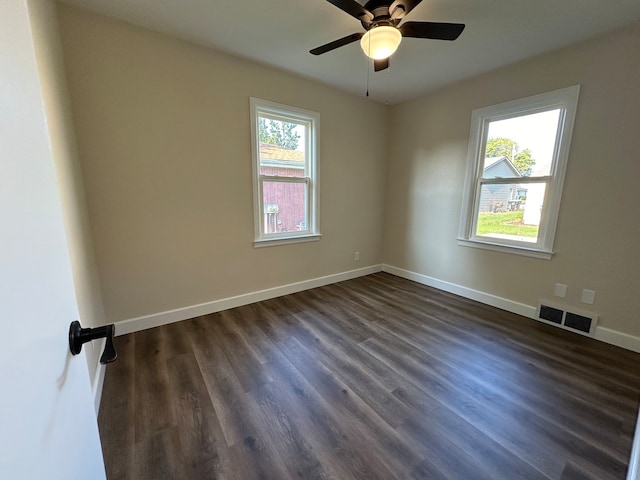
x: 282, y: 148
x: 284, y: 207
x: 510, y: 211
x: 521, y: 146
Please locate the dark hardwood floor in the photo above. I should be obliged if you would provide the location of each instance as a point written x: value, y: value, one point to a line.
x: 372, y: 378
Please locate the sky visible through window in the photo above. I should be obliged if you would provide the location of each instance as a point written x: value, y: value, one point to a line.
x: 537, y: 132
x: 301, y: 131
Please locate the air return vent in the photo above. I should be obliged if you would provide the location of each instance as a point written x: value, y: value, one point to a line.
x: 567, y: 318
x: 551, y: 314
x: 577, y: 322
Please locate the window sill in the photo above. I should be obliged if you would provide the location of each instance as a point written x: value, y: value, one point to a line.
x: 497, y: 247
x: 273, y: 242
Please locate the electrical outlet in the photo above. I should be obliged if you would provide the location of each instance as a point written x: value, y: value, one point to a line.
x: 588, y: 296
x: 560, y: 290
x: 356, y: 256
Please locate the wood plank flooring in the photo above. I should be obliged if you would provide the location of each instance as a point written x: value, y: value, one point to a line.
x: 372, y: 378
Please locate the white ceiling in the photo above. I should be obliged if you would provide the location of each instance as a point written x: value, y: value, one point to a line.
x: 281, y: 33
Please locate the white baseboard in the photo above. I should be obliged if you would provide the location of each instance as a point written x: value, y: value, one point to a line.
x: 606, y: 335
x: 477, y: 295
x: 155, y: 320
x: 123, y: 327
x: 619, y: 339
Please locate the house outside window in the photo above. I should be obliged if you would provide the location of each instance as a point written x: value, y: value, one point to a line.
x: 285, y: 173
x: 517, y: 160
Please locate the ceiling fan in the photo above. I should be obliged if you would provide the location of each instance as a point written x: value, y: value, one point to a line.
x: 383, y: 32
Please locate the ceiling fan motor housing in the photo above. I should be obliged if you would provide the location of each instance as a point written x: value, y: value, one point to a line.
x: 381, y: 14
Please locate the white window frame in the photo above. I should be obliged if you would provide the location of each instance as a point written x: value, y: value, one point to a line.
x: 565, y: 99
x: 277, y: 111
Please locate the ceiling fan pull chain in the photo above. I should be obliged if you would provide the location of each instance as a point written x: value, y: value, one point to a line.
x: 368, y: 69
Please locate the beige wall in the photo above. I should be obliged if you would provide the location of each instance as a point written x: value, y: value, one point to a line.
x: 164, y: 142
x: 163, y: 136
x: 68, y: 173
x: 598, y: 231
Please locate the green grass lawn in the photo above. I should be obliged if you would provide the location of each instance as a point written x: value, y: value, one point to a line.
x: 505, y: 223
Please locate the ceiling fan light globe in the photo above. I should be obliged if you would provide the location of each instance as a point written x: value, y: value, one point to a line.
x: 381, y: 42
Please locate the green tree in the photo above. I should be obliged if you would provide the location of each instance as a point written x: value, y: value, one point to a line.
x: 281, y: 134
x: 506, y: 147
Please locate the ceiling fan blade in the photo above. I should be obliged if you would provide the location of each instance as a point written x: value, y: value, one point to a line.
x: 407, y: 5
x: 434, y: 30
x: 327, y: 47
x: 380, y: 64
x: 354, y: 9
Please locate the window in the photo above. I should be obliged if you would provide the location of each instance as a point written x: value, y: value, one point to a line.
x: 515, y: 171
x: 285, y: 173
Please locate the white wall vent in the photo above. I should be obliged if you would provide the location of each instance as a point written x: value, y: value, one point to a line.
x: 567, y: 317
